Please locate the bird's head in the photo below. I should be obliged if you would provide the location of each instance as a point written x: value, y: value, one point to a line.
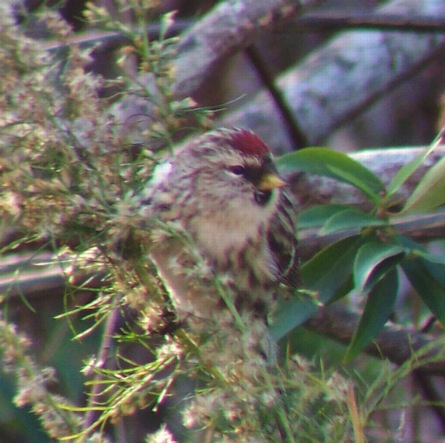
x: 231, y: 167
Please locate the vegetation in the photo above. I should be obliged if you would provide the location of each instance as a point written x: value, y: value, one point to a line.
x: 105, y: 362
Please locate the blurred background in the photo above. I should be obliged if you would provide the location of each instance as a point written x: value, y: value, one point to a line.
x: 408, y: 114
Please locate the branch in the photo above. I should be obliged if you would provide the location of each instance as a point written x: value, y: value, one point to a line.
x: 396, y: 343
x: 369, y: 64
x: 102, y: 358
x: 310, y: 23
x: 34, y: 275
x: 264, y: 73
x: 431, y: 394
x: 225, y: 30
x: 390, y: 22
x: 42, y: 274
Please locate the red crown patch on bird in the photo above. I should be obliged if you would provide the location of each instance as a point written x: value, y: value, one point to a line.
x: 248, y: 143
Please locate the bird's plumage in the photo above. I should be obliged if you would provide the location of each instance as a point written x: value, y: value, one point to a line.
x: 224, y: 191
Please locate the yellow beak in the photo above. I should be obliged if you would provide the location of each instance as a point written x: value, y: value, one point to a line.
x: 270, y: 181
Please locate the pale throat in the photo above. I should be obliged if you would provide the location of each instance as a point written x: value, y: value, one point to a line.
x: 231, y: 228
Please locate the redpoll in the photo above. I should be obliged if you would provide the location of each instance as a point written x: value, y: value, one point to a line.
x: 223, y: 193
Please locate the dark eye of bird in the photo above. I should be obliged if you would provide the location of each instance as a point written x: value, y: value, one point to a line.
x: 237, y: 169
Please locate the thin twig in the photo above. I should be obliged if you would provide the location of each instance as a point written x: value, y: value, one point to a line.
x: 102, y: 357
x: 387, y: 22
x: 307, y: 23
x: 295, y: 133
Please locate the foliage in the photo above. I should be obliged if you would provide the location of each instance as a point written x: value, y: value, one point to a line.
x: 71, y: 176
x: 367, y: 261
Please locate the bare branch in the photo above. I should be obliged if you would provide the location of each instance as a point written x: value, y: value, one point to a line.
x: 396, y: 343
x: 310, y: 23
x: 335, y: 21
x: 226, y: 29
x: 344, y: 77
x: 261, y: 68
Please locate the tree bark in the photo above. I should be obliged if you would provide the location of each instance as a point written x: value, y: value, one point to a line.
x: 226, y: 29
x: 396, y: 343
x: 344, y: 77
x: 19, y: 278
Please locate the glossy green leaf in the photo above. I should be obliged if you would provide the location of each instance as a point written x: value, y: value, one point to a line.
x: 379, y: 306
x: 430, y: 257
x: 350, y: 219
x: 407, y: 170
x: 430, y: 191
x: 427, y: 285
x: 435, y: 263
x: 289, y: 315
x: 437, y: 270
x: 355, y: 179
x: 327, y: 271
x: 328, y: 274
x: 318, y: 215
x: 373, y: 258
x: 333, y: 164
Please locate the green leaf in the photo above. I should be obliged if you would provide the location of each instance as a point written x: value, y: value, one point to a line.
x: 437, y: 271
x: 289, y: 315
x: 328, y: 270
x: 430, y: 257
x: 356, y: 180
x: 435, y: 263
x: 333, y: 164
x: 372, y: 259
x: 417, y: 250
x: 318, y: 215
x: 328, y: 274
x: 350, y: 219
x: 407, y: 170
x: 427, y: 286
x: 430, y: 191
x: 378, y: 308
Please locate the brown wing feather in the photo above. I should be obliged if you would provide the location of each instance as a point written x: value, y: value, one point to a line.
x: 282, y: 241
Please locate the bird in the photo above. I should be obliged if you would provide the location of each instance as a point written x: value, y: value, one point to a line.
x: 224, y: 213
